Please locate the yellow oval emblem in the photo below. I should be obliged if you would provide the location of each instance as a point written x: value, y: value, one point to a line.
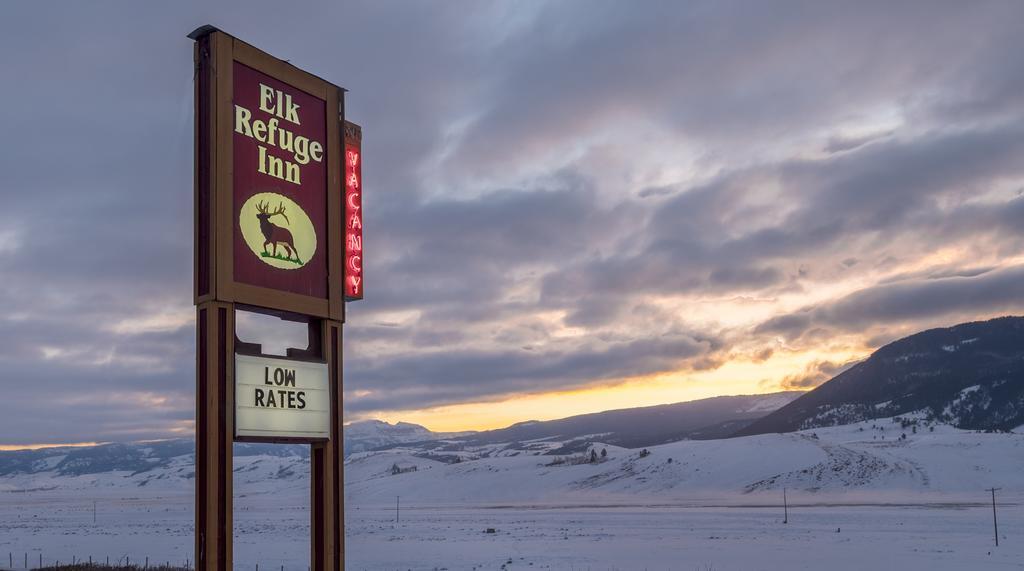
x: 277, y: 230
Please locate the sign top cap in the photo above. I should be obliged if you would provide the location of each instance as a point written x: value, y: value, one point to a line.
x: 207, y: 29
x: 203, y: 30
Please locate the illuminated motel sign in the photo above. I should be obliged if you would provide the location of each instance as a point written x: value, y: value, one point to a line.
x: 353, y: 283
x: 278, y: 231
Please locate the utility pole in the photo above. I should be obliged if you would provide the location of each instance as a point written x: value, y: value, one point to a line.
x: 397, y: 514
x: 94, y: 511
x: 785, y: 507
x: 995, y: 523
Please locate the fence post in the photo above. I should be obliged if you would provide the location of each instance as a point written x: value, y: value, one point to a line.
x: 995, y: 524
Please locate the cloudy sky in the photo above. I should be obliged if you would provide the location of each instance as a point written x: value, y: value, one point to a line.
x: 571, y: 206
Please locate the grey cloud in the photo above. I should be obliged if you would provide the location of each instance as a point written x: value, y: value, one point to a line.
x: 124, y: 387
x: 453, y: 97
x: 813, y: 375
x: 840, y: 143
x: 727, y: 73
x: 467, y: 374
x: 696, y: 241
x: 97, y: 185
x: 939, y: 273
x: 459, y: 256
x: 996, y: 291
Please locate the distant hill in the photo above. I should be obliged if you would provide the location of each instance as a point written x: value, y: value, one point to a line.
x: 704, y: 419
x: 141, y: 457
x: 371, y: 434
x: 970, y: 375
x: 131, y: 458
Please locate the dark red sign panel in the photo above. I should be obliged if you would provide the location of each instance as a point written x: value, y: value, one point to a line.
x: 280, y: 185
x: 353, y: 285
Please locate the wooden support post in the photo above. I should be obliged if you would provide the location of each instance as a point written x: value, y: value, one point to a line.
x: 327, y: 494
x: 215, y: 340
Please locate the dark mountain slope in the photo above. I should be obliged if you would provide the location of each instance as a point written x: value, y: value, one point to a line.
x: 970, y: 375
x: 703, y: 419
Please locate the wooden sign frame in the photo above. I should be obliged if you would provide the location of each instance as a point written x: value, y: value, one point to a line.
x: 218, y: 295
x: 216, y: 53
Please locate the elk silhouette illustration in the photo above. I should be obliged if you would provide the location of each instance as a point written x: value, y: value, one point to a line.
x: 274, y: 234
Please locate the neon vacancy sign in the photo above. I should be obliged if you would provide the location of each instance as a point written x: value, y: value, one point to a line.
x: 353, y: 283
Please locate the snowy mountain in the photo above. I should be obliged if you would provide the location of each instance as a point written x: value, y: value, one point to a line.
x: 144, y: 457
x: 370, y: 434
x: 970, y: 375
x: 131, y: 458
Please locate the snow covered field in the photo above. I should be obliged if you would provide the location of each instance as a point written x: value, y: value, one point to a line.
x: 953, y: 537
x: 857, y: 501
x: 685, y: 538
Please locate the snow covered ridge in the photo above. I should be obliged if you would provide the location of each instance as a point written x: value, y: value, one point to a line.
x: 970, y: 375
x: 144, y: 457
x: 370, y: 434
x: 133, y: 459
x: 877, y: 461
